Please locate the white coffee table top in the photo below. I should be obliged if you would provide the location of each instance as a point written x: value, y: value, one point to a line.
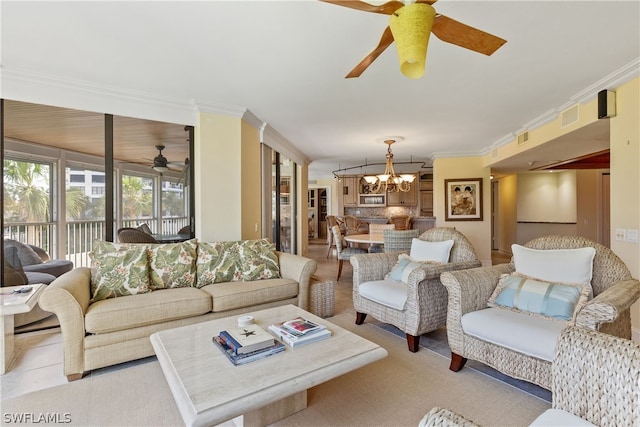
x: 209, y: 389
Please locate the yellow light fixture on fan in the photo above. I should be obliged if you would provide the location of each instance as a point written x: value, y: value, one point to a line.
x: 411, y: 28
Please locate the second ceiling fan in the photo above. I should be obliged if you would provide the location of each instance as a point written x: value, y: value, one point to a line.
x: 410, y: 26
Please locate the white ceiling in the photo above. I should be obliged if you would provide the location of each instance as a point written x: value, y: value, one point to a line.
x: 285, y: 61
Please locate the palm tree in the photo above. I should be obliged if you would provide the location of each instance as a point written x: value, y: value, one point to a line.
x: 137, y: 199
x: 26, y: 191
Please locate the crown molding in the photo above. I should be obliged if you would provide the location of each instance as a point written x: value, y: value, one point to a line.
x: 29, y: 86
x: 202, y: 105
x: 273, y: 139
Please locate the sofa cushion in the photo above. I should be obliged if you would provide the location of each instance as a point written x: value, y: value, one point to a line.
x: 557, y: 417
x: 132, y: 311
x: 558, y: 301
x: 26, y: 254
x: 236, y: 261
x: 555, y: 265
x: 114, y: 274
x: 172, y: 265
x: 533, y: 336
x: 233, y: 295
x: 424, y: 250
x: 389, y: 293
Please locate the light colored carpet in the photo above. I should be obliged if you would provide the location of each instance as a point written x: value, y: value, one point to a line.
x: 396, y: 391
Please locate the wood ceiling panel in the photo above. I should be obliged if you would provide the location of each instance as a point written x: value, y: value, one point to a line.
x: 83, y: 132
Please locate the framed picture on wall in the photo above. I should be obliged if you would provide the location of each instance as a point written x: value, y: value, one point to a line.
x: 463, y: 199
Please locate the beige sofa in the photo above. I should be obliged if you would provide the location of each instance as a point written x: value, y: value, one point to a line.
x: 115, y: 330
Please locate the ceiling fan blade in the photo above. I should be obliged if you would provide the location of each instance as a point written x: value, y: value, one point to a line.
x: 386, y: 9
x: 385, y: 41
x: 451, y: 31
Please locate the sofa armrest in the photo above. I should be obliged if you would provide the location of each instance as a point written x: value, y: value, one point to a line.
x: 300, y: 269
x: 367, y: 267
x: 608, y: 305
x: 469, y: 290
x: 68, y: 298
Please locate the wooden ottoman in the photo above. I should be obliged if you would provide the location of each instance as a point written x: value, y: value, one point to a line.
x: 321, y: 297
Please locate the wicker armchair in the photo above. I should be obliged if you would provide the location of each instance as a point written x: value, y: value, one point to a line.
x: 398, y: 240
x: 596, y: 378
x: 614, y: 292
x: 426, y: 305
x: 133, y: 235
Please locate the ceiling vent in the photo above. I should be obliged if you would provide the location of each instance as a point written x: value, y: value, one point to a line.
x: 523, y: 137
x: 569, y: 116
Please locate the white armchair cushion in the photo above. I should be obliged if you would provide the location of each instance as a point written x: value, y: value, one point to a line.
x: 555, y: 265
x: 559, y: 301
x: 390, y: 293
x: 422, y: 250
x: 558, y: 418
x: 533, y: 336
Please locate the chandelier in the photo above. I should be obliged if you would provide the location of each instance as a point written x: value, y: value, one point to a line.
x: 389, y: 181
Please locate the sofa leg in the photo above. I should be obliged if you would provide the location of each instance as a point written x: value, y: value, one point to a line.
x: 413, y: 342
x: 457, y: 362
x: 74, y: 377
x: 360, y: 318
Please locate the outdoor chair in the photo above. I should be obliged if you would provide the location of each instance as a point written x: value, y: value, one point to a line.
x: 133, y: 235
x: 398, y: 240
x: 519, y: 341
x: 415, y: 301
x: 145, y: 227
x: 344, y: 252
x: 595, y: 382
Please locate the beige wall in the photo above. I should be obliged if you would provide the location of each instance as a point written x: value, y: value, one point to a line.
x: 625, y: 179
x: 251, y: 182
x: 478, y: 232
x: 588, y: 198
x: 218, y: 177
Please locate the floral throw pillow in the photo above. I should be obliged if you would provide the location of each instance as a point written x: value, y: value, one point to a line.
x: 118, y: 273
x: 235, y: 261
x: 172, y: 265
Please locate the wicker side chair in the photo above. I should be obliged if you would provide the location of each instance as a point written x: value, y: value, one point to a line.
x: 596, y: 378
x: 402, y: 222
x: 398, y: 240
x: 614, y: 292
x: 378, y: 230
x: 133, y: 235
x: 353, y: 225
x: 344, y: 252
x: 425, y: 308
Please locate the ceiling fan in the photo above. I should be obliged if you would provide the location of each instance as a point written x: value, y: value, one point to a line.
x: 161, y: 164
x: 410, y: 26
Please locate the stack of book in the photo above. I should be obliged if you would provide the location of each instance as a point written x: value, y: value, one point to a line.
x: 245, y: 344
x: 299, y: 331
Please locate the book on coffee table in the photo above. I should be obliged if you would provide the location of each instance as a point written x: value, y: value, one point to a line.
x: 247, y: 339
x: 299, y: 331
x: 241, y: 359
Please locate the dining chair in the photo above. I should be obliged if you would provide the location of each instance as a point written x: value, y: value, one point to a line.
x: 402, y: 222
x: 331, y: 221
x: 352, y: 224
x: 133, y: 235
x: 344, y: 252
x: 378, y: 229
x: 398, y: 240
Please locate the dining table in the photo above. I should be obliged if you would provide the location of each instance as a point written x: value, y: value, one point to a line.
x: 371, y: 239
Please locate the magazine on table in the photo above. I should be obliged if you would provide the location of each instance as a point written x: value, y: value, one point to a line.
x: 299, y: 331
x: 241, y: 359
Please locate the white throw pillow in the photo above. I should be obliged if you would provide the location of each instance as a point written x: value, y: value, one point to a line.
x: 422, y: 250
x: 555, y: 265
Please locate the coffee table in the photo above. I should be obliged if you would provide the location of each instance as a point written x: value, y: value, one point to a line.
x: 209, y: 389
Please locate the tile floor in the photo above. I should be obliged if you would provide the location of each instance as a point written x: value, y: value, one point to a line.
x: 38, y: 355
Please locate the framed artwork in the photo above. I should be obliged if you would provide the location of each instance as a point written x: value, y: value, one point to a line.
x: 463, y: 199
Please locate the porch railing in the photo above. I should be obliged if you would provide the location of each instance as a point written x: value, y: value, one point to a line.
x: 80, y: 235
